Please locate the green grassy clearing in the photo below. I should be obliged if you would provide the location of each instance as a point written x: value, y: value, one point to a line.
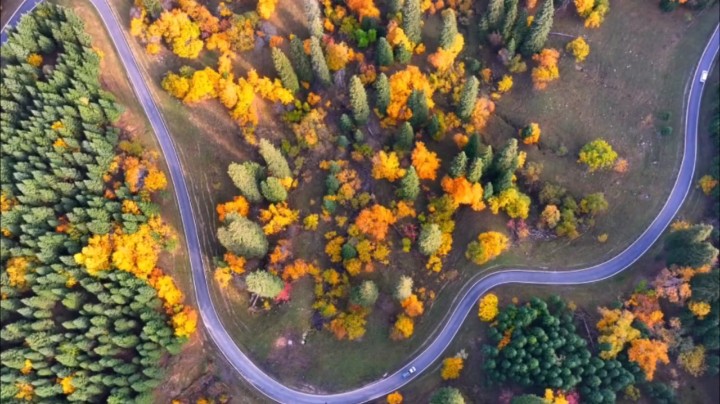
x: 208, y: 141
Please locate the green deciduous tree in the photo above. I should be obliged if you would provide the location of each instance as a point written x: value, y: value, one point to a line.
x: 273, y: 190
x: 364, y: 294
x: 430, y: 239
x: 264, y: 284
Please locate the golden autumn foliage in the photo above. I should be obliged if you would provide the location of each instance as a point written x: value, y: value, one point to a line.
x: 235, y: 263
x: 375, y: 221
x: 26, y: 391
x: 425, y: 162
x: 96, y: 255
x: 67, y: 385
x: 412, y: 306
x: 531, y: 133
x: 707, y: 183
x: 27, y: 367
x: 463, y: 192
x: 397, y: 37
x: 584, y: 7
x: 646, y: 308
x: 348, y: 325
x: 647, y: 353
x: 505, y: 84
x: 238, y: 205
x: 403, y: 328
x: 488, y: 246
x: 222, y: 276
x: 363, y: 8
x: 311, y: 222
x: 394, y: 398
x: 488, y: 307
x: 277, y: 217
x: 265, y: 8
x: 297, y: 269
x: 443, y: 59
x: 402, y: 84
x: 337, y: 55
x: 555, y: 397
x: 547, y: 69
x: 185, y: 322
x: 16, y: 269
x: 693, y: 360
x: 387, y: 166
x: 451, y: 368
x: 578, y: 48
x: 513, y: 202
x: 179, y: 32
x: 699, y: 309
x: 616, y: 330
x: 34, y: 60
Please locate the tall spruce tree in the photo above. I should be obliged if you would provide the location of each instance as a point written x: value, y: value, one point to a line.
x: 417, y: 102
x: 449, y: 28
x: 459, y: 165
x: 384, y: 52
x: 495, y: 13
x: 358, y: 101
x: 285, y: 70
x: 412, y: 20
x: 405, y: 137
x: 300, y: 60
x: 320, y: 67
x: 475, y: 170
x: 409, y: 185
x: 276, y: 162
x: 539, y: 30
x: 245, y: 176
x: 382, y: 93
x: 468, y: 97
x: 314, y: 20
x: 511, y: 12
x: 243, y: 237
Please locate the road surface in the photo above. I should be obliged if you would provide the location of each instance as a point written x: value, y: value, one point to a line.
x: 465, y: 301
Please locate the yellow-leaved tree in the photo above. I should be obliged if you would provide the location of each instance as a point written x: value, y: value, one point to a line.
x: 488, y: 307
x: 488, y: 246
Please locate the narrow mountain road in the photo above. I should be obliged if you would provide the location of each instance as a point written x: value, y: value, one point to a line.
x: 464, y: 302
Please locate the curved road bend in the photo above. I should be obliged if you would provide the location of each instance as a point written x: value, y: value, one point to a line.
x: 462, y: 306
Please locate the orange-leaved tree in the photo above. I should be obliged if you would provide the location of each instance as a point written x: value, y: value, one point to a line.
x: 647, y: 353
x: 426, y: 163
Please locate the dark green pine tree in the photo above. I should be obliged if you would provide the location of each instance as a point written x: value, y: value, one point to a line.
x: 300, y: 60
x: 312, y: 13
x: 394, y: 6
x: 507, y: 159
x: 473, y: 147
x: 285, y: 70
x: 434, y: 128
x: 475, y: 170
x: 495, y: 13
x: 511, y: 12
x: 358, y: 101
x: 417, y: 102
x: 402, y: 54
x: 384, y: 53
x: 412, y: 20
x: 449, y: 28
x: 319, y: 64
x: 539, y: 30
x: 405, y: 137
x: 409, y: 185
x: 468, y: 97
x: 459, y: 165
x: 382, y: 93
x: 521, y: 28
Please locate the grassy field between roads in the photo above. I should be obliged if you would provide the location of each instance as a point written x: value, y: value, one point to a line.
x: 630, y: 77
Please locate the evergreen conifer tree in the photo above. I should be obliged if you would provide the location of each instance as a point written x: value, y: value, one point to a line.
x: 300, y: 60
x: 412, y: 20
x: 320, y: 68
x: 468, y: 97
x: 285, y: 70
x: 382, y: 93
x: 458, y: 165
x: 417, y: 102
x: 358, y: 101
x: 539, y: 30
x: 449, y: 28
x: 384, y: 52
x: 409, y: 185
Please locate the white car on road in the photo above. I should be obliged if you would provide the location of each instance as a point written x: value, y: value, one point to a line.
x: 703, y: 76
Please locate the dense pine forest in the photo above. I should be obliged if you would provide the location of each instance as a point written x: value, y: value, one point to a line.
x: 86, y: 314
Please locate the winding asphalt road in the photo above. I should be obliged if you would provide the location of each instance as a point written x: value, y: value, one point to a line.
x: 465, y: 301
